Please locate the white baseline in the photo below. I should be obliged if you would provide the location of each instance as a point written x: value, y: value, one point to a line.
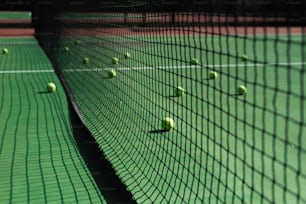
x: 96, y: 69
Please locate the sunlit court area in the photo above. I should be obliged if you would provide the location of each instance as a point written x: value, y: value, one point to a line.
x: 153, y: 101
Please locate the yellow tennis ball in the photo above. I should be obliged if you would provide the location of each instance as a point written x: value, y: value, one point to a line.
x: 51, y: 87
x: 213, y: 75
x: 127, y: 55
x: 179, y: 91
x: 115, y: 60
x: 242, y: 90
x: 112, y: 73
x: 244, y: 57
x: 167, y: 124
x: 4, y: 50
x: 86, y: 60
x: 194, y: 61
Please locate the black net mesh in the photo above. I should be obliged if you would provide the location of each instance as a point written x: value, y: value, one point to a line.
x: 231, y: 76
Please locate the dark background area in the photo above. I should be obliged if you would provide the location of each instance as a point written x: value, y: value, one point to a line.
x: 228, y: 6
x: 44, y: 11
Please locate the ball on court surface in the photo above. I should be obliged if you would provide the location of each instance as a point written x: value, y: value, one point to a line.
x: 179, y: 91
x: 127, y: 55
x: 77, y: 42
x: 66, y: 49
x: 30, y: 13
x: 242, y: 90
x: 194, y: 61
x: 51, y: 87
x: 86, y: 60
x: 115, y: 60
x: 213, y: 75
x: 167, y: 124
x: 4, y: 50
x: 112, y: 73
x: 244, y: 57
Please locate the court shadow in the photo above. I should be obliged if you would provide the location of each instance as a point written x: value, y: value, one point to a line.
x: 111, y: 187
x: 106, y: 77
x: 235, y: 95
x: 157, y: 131
x: 43, y: 92
x: 172, y: 96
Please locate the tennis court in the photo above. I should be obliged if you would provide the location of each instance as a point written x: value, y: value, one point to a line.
x: 222, y: 142
x: 225, y: 147
x: 40, y: 161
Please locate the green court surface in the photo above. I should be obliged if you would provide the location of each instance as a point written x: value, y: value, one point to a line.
x: 15, y: 15
x: 39, y: 157
x: 225, y: 147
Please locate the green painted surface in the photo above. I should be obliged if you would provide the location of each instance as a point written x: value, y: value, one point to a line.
x: 39, y: 158
x: 224, y: 148
x: 15, y: 15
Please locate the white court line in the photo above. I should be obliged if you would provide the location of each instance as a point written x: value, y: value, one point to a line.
x: 187, y: 66
x: 96, y: 69
x: 26, y: 71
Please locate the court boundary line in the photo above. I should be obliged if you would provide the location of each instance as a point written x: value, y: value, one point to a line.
x: 185, y: 67
x: 154, y: 67
x: 26, y: 71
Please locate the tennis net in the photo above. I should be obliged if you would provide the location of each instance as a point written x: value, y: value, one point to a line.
x: 239, y: 134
